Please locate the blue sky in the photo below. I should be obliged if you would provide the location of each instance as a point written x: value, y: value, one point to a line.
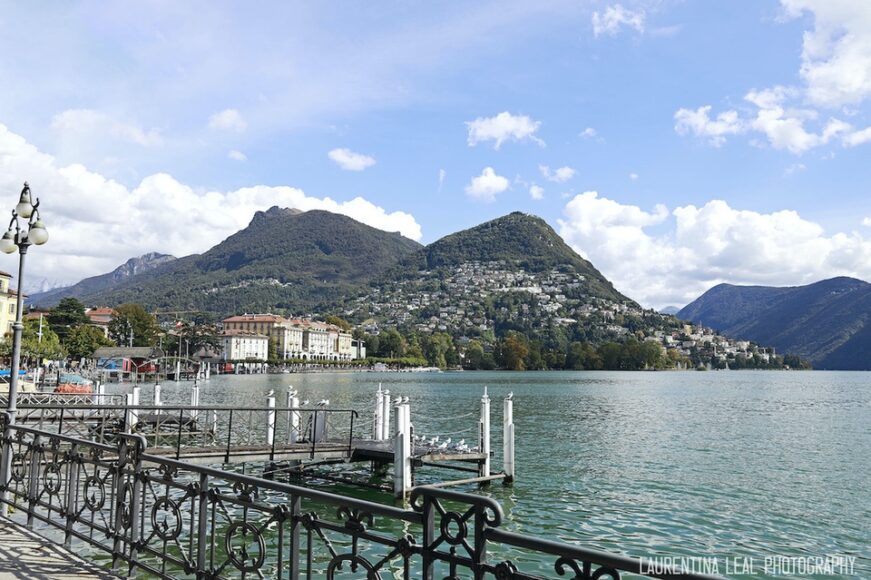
x: 675, y: 144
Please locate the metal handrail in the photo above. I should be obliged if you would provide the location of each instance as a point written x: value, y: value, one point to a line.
x: 172, y: 519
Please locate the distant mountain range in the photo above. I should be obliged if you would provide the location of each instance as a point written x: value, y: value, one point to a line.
x: 828, y: 323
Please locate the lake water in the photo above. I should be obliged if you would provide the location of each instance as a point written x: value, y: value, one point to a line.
x: 717, y: 464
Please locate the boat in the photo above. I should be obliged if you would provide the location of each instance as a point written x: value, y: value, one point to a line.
x: 24, y: 386
x: 74, y: 384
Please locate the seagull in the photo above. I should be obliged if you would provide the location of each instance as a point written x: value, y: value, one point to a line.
x: 443, y: 446
x: 324, y: 402
x: 304, y: 403
x: 404, y: 400
x: 510, y: 396
x: 270, y: 393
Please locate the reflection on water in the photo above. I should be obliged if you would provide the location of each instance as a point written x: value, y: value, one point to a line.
x: 720, y: 464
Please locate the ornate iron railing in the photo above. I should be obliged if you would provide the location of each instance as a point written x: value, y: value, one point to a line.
x: 184, y: 428
x: 165, y: 518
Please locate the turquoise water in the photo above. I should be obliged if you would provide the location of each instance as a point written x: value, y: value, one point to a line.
x: 719, y: 464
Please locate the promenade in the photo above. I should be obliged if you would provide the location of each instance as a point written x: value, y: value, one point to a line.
x: 24, y: 554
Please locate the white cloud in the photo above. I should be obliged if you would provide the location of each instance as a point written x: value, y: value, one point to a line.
x: 100, y: 125
x: 228, y: 120
x: 836, y: 70
x: 589, y: 133
x: 694, y: 248
x: 350, y: 161
x: 616, y: 17
x: 501, y: 128
x: 836, y: 54
x: 794, y: 168
x: 486, y: 186
x: 633, y: 176
x: 560, y: 175
x: 442, y: 175
x: 159, y: 214
x: 700, y: 124
x: 237, y: 155
x: 536, y: 192
x: 867, y: 222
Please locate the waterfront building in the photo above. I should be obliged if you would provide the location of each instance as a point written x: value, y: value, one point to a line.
x: 101, y: 318
x: 8, y: 303
x: 297, y: 338
x: 241, y: 345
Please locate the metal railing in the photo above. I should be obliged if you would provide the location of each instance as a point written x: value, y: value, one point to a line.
x: 170, y: 519
x: 185, y: 428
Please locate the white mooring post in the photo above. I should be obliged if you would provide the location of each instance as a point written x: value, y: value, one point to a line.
x: 377, y: 425
x: 401, y: 453
x: 177, y: 370
x: 195, y: 399
x: 101, y: 392
x: 270, y: 419
x: 508, y: 439
x: 137, y: 391
x: 157, y: 401
x: 484, y: 434
x: 293, y: 403
x: 385, y: 415
x: 208, y: 371
x: 409, y: 444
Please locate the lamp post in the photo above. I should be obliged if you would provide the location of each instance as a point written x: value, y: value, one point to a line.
x: 21, y: 236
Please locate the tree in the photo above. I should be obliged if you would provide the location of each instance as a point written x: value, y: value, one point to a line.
x: 82, y: 341
x: 68, y: 314
x: 474, y: 358
x: 32, y: 347
x: 133, y: 317
x: 514, y: 351
x: 340, y: 322
x: 391, y: 344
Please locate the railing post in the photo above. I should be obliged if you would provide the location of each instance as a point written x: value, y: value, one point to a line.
x: 118, y: 508
x: 135, y: 500
x: 5, y: 461
x: 229, y: 434
x: 33, y: 480
x: 429, y: 536
x: 295, y: 524
x: 484, y: 435
x: 203, y: 536
x: 128, y: 412
x: 72, y: 482
x: 508, y: 439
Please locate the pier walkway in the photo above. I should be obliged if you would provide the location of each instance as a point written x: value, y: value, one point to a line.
x: 29, y: 556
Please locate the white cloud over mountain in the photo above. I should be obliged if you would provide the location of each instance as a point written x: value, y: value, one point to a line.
x: 97, y: 223
x: 486, y: 186
x: 662, y: 257
x: 501, y: 128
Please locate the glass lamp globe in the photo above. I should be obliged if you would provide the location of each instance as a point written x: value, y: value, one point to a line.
x: 38, y: 234
x: 25, y: 206
x: 7, y: 242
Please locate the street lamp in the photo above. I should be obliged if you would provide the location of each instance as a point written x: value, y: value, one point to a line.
x: 21, y: 236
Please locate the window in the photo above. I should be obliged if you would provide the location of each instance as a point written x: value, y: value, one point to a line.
x: 11, y: 308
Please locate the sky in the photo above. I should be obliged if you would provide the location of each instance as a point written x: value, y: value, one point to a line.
x: 676, y: 145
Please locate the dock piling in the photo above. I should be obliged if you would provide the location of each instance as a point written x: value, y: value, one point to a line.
x: 134, y: 402
x: 385, y: 414
x: 195, y: 399
x: 293, y: 404
x: 508, y: 439
x: 401, y: 453
x: 377, y: 424
x: 270, y: 418
x: 157, y: 402
x: 484, y: 435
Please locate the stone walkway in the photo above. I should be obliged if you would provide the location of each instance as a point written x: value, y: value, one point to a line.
x: 24, y: 554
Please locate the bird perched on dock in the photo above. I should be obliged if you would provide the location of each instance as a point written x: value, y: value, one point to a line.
x: 306, y: 402
x: 270, y: 393
x: 510, y: 395
x: 323, y: 402
x: 404, y: 400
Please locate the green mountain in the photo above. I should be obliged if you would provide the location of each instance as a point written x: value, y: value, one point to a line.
x: 828, y: 323
x: 285, y: 260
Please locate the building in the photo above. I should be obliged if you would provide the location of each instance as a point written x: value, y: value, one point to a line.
x: 241, y: 345
x: 297, y: 338
x: 101, y: 318
x: 8, y: 303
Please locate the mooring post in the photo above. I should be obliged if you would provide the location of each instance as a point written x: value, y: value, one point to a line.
x: 208, y: 371
x: 294, y: 416
x: 400, y: 452
x: 484, y: 435
x: 270, y: 418
x: 134, y: 413
x: 128, y: 412
x: 195, y: 399
x: 100, y: 393
x: 177, y: 370
x: 157, y: 401
x: 508, y: 439
x: 377, y: 425
x: 409, y: 444
x: 385, y: 414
